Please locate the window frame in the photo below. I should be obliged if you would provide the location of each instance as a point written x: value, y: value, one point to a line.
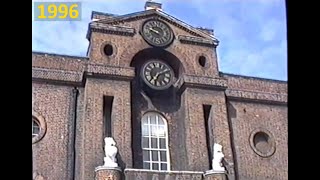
x: 146, y: 120
x: 42, y: 126
x: 37, y: 123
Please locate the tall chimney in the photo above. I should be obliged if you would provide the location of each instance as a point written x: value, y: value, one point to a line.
x: 152, y: 5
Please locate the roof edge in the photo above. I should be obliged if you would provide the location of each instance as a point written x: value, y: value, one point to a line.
x: 61, y: 55
x: 101, y: 13
x: 252, y: 77
x: 202, y: 33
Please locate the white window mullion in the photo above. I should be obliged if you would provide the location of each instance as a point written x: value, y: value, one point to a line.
x: 158, y: 142
x: 149, y: 138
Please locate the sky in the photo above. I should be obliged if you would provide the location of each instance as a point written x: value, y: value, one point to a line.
x: 252, y: 33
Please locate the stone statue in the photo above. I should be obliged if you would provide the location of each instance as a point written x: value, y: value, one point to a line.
x: 217, y: 158
x: 110, y: 151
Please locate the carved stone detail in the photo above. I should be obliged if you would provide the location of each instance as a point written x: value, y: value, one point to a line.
x: 123, y: 72
x: 56, y: 75
x: 198, y: 41
x: 215, y: 176
x: 103, y: 173
x: 257, y: 96
x: 110, y: 29
x: 190, y: 80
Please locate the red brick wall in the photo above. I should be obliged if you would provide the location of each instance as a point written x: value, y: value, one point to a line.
x: 126, y: 47
x: 195, y: 127
x: 247, y: 117
x: 91, y: 145
x: 50, y: 154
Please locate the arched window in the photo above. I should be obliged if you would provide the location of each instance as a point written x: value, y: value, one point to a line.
x: 39, y: 127
x: 35, y: 127
x: 154, y: 142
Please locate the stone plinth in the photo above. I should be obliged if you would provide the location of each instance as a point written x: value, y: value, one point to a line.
x: 107, y: 173
x: 214, y: 175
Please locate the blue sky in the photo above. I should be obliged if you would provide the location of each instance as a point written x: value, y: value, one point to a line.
x: 252, y: 33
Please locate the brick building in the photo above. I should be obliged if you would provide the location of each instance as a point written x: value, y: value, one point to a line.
x: 152, y: 83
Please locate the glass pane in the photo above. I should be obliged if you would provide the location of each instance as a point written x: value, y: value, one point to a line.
x: 146, y: 155
x: 160, y: 121
x: 146, y: 165
x: 155, y: 156
x: 144, y: 120
x: 35, y: 127
x: 162, y: 143
x: 145, y: 142
x: 35, y: 130
x: 155, y: 166
x: 161, y: 131
x: 163, y: 156
x: 154, y: 143
x: 154, y: 130
x: 163, y: 166
x: 153, y: 119
x: 145, y: 130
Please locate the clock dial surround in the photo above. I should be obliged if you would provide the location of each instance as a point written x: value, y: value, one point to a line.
x: 157, y: 33
x: 157, y: 74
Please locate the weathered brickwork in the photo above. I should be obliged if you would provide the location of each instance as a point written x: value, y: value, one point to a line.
x: 256, y: 96
x: 121, y: 72
x: 247, y: 117
x: 92, y: 136
x: 58, y: 62
x: 132, y: 174
x: 56, y: 75
x: 256, y: 84
x: 50, y: 154
x: 195, y: 126
x: 72, y: 145
x: 127, y: 47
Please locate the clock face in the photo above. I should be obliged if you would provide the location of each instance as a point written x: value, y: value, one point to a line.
x: 157, y: 33
x: 157, y: 74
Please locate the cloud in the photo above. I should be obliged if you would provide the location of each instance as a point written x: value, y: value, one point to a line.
x: 252, y: 36
x: 252, y: 33
x: 270, y: 30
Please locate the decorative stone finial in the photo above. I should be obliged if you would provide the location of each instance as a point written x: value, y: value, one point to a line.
x: 152, y: 5
x: 217, y: 158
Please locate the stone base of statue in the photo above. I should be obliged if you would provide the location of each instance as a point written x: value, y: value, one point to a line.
x: 107, y: 173
x: 215, y: 175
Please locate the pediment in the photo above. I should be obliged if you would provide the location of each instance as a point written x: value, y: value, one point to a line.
x: 196, y: 34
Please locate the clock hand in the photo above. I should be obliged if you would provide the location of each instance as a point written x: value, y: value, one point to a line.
x: 156, y: 76
x: 163, y: 71
x: 158, y: 73
x: 154, y: 30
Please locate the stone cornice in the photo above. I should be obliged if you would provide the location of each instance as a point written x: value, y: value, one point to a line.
x: 109, y: 71
x: 68, y: 77
x: 78, y: 77
x: 209, y: 82
x: 197, y: 41
x: 234, y: 94
x: 109, y: 29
